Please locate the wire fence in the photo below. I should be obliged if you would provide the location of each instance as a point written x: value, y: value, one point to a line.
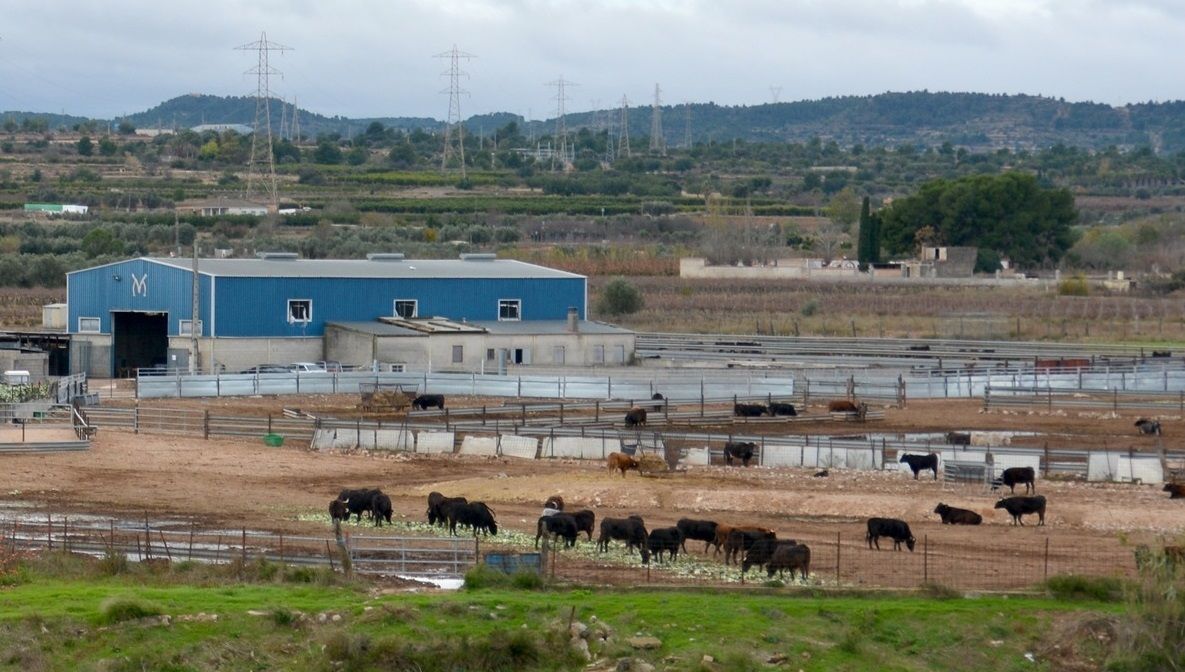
x: 1150, y: 402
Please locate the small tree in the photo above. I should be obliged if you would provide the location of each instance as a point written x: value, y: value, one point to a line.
x: 85, y: 146
x: 864, y: 239
x: 619, y: 298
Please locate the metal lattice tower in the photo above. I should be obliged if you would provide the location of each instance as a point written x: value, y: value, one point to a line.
x: 263, y: 121
x: 623, y: 131
x: 454, y: 132
x: 562, y: 148
x: 775, y: 93
x: 658, y: 144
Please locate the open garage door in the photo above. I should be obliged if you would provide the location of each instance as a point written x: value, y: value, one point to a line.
x: 140, y: 340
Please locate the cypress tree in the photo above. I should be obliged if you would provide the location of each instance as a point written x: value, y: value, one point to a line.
x: 864, y: 240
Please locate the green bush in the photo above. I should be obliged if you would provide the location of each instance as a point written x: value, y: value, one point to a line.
x: 118, y: 609
x: 1075, y: 587
x: 1075, y: 286
x: 619, y: 298
x: 809, y: 308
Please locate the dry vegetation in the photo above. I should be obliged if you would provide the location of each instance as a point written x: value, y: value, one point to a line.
x: 790, y: 307
x: 22, y: 307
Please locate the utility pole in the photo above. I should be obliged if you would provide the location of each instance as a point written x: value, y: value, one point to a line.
x: 195, y: 314
x: 658, y: 144
x: 561, y: 127
x: 454, y: 132
x: 261, y: 152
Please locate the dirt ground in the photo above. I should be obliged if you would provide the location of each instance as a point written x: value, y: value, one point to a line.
x: 1090, y: 527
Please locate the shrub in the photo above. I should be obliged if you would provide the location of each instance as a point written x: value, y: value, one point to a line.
x: 118, y: 609
x: 1074, y: 286
x: 809, y: 308
x: 484, y: 576
x: 620, y: 298
x: 1075, y: 587
x: 1152, y: 638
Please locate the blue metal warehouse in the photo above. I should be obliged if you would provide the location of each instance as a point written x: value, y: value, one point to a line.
x: 126, y: 313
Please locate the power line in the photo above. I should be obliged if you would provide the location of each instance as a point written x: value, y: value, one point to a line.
x: 263, y: 119
x: 454, y: 131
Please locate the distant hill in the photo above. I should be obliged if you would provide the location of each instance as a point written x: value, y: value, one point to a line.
x: 974, y: 120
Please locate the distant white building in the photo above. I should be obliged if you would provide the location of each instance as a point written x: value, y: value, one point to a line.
x: 215, y: 207
x: 241, y: 129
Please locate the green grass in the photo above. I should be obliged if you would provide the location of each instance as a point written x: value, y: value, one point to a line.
x: 63, y: 614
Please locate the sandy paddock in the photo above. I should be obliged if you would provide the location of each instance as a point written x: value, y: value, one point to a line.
x: 1090, y: 527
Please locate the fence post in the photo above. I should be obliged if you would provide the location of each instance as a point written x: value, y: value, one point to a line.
x: 49, y: 530
x: 926, y: 558
x: 1046, y: 474
x: 244, y: 547
x: 1115, y: 400
x: 1049, y: 397
x: 1047, y: 558
x: 136, y: 418
x: 837, y: 543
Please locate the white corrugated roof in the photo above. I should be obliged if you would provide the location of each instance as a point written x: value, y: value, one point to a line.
x: 363, y: 268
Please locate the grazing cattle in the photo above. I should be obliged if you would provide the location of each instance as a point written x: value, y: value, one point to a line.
x: 657, y: 396
x: 338, y: 510
x: 822, y: 474
x: 919, y: 462
x: 1175, y: 490
x: 741, y: 539
x: 631, y: 530
x: 438, y: 507
x: 697, y: 530
x: 897, y: 530
x: 472, y: 514
x: 958, y: 438
x: 1147, y: 426
x: 554, y: 502
x: 779, y: 408
x: 585, y: 521
x: 842, y: 406
x: 749, y: 410
x: 1019, y: 506
x: 622, y: 462
x: 557, y: 526
x: 761, y: 551
x: 663, y: 539
x: 381, y: 509
x: 1014, y: 476
x: 792, y: 558
x: 359, y: 501
x: 953, y: 516
x: 635, y: 417
x: 426, y: 401
x: 1162, y: 353
x: 739, y: 450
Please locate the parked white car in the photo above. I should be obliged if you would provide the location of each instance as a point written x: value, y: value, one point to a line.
x: 307, y: 367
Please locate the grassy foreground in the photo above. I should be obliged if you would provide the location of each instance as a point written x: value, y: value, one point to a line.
x: 67, y: 614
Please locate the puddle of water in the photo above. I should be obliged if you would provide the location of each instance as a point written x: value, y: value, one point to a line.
x: 443, y: 583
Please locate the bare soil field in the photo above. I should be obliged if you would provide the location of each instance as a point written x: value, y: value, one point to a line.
x: 1090, y: 527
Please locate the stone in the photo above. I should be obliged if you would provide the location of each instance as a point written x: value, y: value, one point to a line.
x: 581, y: 648
x: 644, y: 642
x: 578, y: 629
x: 777, y: 659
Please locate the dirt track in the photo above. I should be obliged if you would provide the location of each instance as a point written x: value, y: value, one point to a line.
x: 1090, y: 526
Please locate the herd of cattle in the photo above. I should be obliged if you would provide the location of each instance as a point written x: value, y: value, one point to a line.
x: 748, y: 546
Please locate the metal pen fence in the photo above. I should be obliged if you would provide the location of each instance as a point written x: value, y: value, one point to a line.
x: 1115, y: 399
x: 379, y: 555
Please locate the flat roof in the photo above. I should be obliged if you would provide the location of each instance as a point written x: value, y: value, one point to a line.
x: 362, y: 268
x: 525, y: 328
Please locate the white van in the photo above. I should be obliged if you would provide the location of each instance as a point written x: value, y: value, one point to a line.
x: 307, y: 367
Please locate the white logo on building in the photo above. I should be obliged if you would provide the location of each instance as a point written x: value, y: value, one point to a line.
x: 140, y: 285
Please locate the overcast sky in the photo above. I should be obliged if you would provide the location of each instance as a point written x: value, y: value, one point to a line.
x: 373, y: 58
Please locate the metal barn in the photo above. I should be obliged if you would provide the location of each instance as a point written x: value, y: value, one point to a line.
x: 139, y: 312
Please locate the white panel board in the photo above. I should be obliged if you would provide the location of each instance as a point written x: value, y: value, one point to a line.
x: 394, y: 439
x: 1102, y: 467
x: 783, y: 456
x: 322, y: 439
x: 1145, y: 468
x: 345, y: 439
x: 696, y: 457
x: 991, y: 438
x: 580, y: 448
x: 435, y: 442
x: 518, y: 446
x: 864, y: 458
x: 479, y: 445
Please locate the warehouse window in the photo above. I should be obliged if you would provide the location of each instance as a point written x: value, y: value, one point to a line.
x: 407, y: 308
x: 510, y: 310
x: 185, y: 328
x: 89, y: 325
x: 300, y: 310
x: 458, y: 354
x: 491, y: 354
